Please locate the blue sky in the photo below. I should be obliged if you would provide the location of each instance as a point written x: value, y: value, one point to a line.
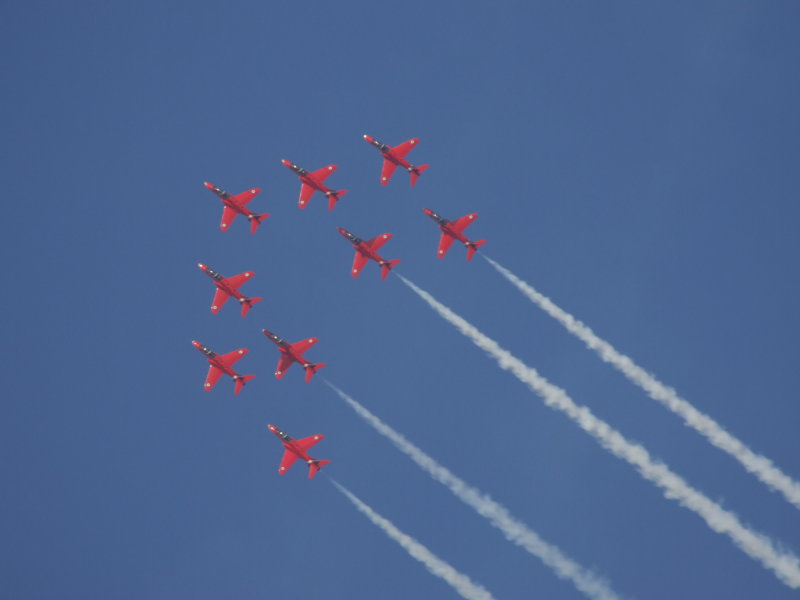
x: 637, y: 164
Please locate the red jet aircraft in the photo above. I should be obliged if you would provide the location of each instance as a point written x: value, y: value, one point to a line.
x: 392, y: 157
x: 451, y: 230
x: 293, y: 353
x: 223, y: 364
x: 236, y: 205
x: 298, y: 449
x: 229, y: 287
x: 367, y: 250
x: 312, y: 182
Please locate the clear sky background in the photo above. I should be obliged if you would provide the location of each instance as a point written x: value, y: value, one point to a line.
x: 638, y: 164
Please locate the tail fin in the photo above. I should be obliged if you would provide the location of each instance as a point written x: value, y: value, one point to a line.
x: 255, y: 221
x: 248, y: 304
x: 387, y: 266
x: 416, y: 172
x: 240, y: 381
x: 311, y: 369
x: 472, y: 247
x: 334, y: 197
x: 314, y: 466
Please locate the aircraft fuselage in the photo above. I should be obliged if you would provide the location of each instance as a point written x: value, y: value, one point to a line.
x: 289, y: 443
x: 286, y: 348
x: 213, y: 359
x: 389, y: 154
x: 308, y: 178
x: 219, y: 281
x: 226, y: 199
x: 446, y: 227
x: 361, y: 247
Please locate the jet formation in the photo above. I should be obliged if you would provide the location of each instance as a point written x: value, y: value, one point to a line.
x: 227, y: 287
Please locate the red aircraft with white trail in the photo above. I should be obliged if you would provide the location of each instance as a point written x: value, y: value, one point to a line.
x: 369, y: 250
x: 452, y: 230
x: 223, y: 363
x: 295, y: 449
x: 227, y: 287
x: 293, y: 353
x: 313, y: 182
x: 394, y: 157
x: 237, y: 205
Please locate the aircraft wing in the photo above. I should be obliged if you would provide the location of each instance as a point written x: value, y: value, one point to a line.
x: 245, y: 197
x: 220, y: 298
x: 303, y: 345
x: 214, y: 373
x: 358, y: 263
x: 237, y: 280
x: 309, y: 441
x: 232, y: 357
x: 405, y: 147
x: 306, y: 191
x: 387, y: 171
x: 461, y: 224
x: 284, y: 363
x: 287, y: 461
x: 379, y: 240
x: 444, y: 244
x: 323, y: 173
x: 228, y: 215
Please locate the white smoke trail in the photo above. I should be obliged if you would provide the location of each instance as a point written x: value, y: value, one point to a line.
x: 515, y: 531
x: 458, y: 581
x: 757, y: 464
x: 784, y: 564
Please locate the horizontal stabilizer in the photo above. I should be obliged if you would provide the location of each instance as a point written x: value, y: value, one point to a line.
x: 248, y: 304
x: 334, y: 197
x: 416, y: 172
x: 240, y: 381
x: 311, y: 369
x: 387, y: 266
x: 472, y: 247
x: 255, y: 221
x: 315, y: 466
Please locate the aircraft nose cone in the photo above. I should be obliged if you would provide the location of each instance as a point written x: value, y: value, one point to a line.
x: 208, y: 185
x: 201, y: 265
x: 195, y: 343
x: 366, y: 137
x: 286, y: 162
